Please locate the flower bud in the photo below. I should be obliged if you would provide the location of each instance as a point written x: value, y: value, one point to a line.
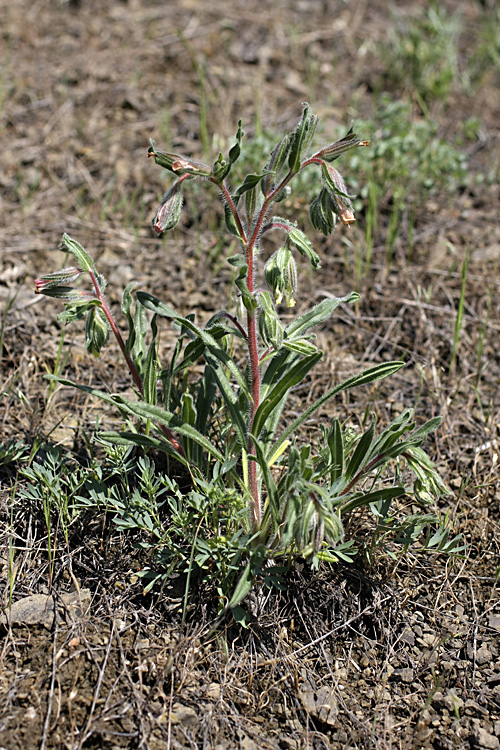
x: 272, y: 275
x: 290, y: 275
x: 58, y: 278
x: 169, y: 211
x: 275, y: 163
x: 96, y: 331
x: 334, y: 183
x: 178, y: 164
x: 334, y: 150
x: 322, y: 213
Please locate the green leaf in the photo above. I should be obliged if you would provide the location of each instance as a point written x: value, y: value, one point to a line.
x: 423, y: 431
x: 127, y: 311
x: 239, y: 419
x: 72, y: 246
x: 336, y: 447
x: 360, y: 499
x: 295, y: 375
x: 125, y: 438
x: 147, y: 412
x: 362, y: 452
x: 235, y: 150
x: 316, y: 315
x: 297, y: 238
x: 151, y: 369
x: 156, y: 306
x: 369, y: 375
x: 231, y: 223
x: 250, y: 205
x: 267, y: 477
x: 241, y: 616
x: 188, y: 412
x: 299, y: 346
x: 301, y: 138
x: 250, y: 181
x: 300, y: 241
x: 334, y: 183
x: 276, y: 160
x: 138, y: 350
x: 243, y: 586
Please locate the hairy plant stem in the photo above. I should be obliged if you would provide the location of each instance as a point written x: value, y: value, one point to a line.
x: 253, y: 352
x: 250, y: 244
x: 133, y: 370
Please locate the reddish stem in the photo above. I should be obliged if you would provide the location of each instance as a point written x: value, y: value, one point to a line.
x: 249, y: 244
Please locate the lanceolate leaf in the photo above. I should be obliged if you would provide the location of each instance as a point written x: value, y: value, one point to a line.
x: 127, y: 311
x: 250, y: 181
x: 336, y: 448
x: 144, y: 441
x: 301, y: 138
x: 147, y: 412
x: 72, y: 246
x: 363, y: 499
x: 268, y: 479
x: 361, y: 453
x: 294, y: 376
x: 230, y: 398
x: 369, y: 375
x: 318, y: 314
x: 297, y: 238
x: 154, y: 304
x: 150, y: 371
x: 235, y: 150
x: 243, y: 586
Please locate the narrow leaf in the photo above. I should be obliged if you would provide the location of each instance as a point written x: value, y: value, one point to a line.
x: 369, y: 375
x: 364, y: 499
x: 294, y: 376
x: 250, y: 181
x: 336, y: 447
x: 318, y: 314
x: 72, y: 246
x: 156, y: 306
x: 361, y: 453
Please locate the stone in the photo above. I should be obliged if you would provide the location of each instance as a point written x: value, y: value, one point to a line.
x: 453, y: 702
x: 320, y: 703
x: 483, y: 656
x: 184, y: 715
x: 482, y: 739
x: 38, y: 609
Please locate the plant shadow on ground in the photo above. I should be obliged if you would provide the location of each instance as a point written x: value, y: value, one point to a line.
x: 399, y: 654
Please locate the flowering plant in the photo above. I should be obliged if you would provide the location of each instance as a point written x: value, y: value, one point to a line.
x: 227, y: 427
